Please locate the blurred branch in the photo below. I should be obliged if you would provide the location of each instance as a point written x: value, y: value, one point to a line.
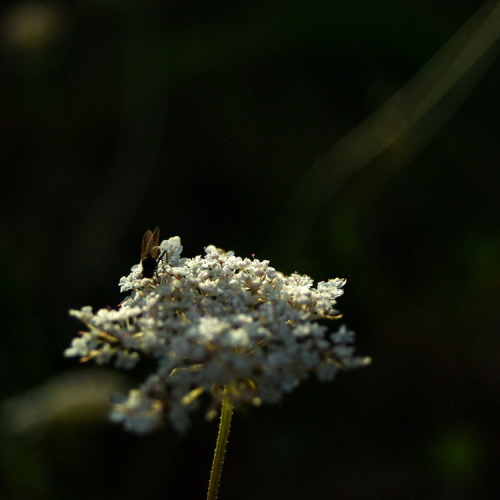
x: 417, y: 112
x: 73, y: 397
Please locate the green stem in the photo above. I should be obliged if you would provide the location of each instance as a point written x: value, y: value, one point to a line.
x: 220, y: 447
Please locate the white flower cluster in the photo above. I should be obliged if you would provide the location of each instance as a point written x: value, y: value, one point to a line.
x: 213, y: 322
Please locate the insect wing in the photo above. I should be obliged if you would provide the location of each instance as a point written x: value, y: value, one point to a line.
x: 150, y: 242
x: 145, y: 243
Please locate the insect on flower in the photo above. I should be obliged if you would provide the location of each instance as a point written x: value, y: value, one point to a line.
x: 226, y: 327
x: 150, y: 252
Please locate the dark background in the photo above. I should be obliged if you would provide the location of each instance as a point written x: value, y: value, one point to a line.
x: 213, y: 121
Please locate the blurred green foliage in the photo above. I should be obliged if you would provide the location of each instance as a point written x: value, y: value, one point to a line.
x: 210, y: 120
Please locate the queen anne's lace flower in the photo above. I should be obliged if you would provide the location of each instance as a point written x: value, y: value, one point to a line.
x: 213, y: 322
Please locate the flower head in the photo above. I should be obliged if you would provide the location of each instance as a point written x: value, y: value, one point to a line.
x: 212, y: 322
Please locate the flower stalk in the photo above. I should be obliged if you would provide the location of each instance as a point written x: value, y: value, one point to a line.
x: 221, y: 445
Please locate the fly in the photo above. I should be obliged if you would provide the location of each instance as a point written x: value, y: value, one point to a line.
x: 150, y: 252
